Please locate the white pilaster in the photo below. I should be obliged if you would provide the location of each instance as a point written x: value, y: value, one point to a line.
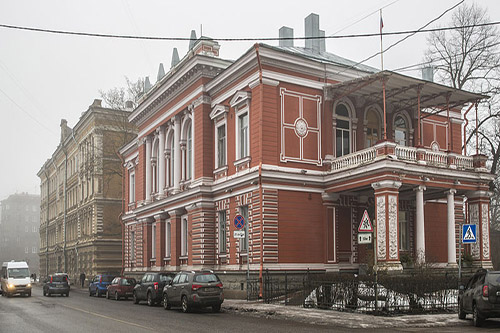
x: 177, y: 153
x: 161, y: 161
x: 420, y: 235
x: 148, y: 168
x: 452, y: 248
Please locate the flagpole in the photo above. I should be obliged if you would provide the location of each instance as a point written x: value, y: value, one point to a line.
x: 381, y: 47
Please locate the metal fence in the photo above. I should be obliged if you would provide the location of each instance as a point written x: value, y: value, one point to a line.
x: 417, y: 293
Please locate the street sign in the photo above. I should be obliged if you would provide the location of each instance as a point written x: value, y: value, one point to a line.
x: 365, y: 225
x: 469, y: 234
x: 239, y: 233
x: 364, y: 238
x: 239, y: 222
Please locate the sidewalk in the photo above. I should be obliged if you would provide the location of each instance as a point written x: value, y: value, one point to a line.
x: 339, y: 319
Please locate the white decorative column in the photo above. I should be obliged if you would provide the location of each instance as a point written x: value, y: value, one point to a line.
x: 452, y: 247
x: 420, y: 232
x: 161, y: 161
x: 386, y: 216
x: 148, y: 168
x: 183, y: 160
x: 177, y: 153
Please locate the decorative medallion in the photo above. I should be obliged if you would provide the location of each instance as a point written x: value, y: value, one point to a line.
x: 301, y: 127
x: 434, y: 146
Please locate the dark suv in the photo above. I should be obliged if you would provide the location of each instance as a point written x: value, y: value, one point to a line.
x: 150, y: 287
x: 481, y: 297
x: 194, y: 289
x: 56, y: 284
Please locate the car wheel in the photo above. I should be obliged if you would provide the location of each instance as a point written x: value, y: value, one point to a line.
x: 216, y: 308
x: 117, y: 298
x: 136, y: 300
x: 477, y: 320
x: 67, y: 294
x: 98, y: 293
x: 107, y: 294
x: 185, y: 306
x: 461, y: 312
x: 150, y: 299
x: 44, y: 293
x: 90, y: 292
x: 28, y: 294
x: 166, y: 304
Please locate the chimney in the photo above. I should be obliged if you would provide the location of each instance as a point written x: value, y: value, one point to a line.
x: 65, y: 130
x: 311, y: 23
x: 286, y: 32
x: 129, y: 106
x: 428, y: 74
x: 192, y: 40
x: 95, y: 103
x: 322, y: 45
x: 175, y: 58
x: 161, y: 72
x: 147, y: 84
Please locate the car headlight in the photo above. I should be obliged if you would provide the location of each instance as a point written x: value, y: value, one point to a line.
x: 10, y: 285
x: 28, y: 285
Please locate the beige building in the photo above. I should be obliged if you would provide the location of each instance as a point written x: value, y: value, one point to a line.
x: 81, y: 195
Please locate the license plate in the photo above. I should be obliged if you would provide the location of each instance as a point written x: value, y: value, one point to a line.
x: 210, y: 289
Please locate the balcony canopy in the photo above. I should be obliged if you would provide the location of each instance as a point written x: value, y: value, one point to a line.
x: 402, y: 91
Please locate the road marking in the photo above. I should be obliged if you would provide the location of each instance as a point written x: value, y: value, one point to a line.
x: 107, y: 317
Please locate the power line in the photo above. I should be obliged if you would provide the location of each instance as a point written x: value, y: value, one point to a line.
x: 395, y: 33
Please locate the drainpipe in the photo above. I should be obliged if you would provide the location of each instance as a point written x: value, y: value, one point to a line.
x: 122, y: 162
x: 57, y: 188
x: 261, y: 232
x: 65, y: 206
x: 256, y: 45
x: 77, y: 205
x: 47, y: 226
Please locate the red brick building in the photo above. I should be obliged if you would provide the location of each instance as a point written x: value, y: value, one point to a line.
x: 300, y: 142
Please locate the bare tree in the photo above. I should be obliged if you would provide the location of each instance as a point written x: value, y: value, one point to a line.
x: 116, y: 98
x: 468, y: 57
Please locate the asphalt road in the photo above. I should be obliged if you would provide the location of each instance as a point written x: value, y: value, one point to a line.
x: 81, y: 313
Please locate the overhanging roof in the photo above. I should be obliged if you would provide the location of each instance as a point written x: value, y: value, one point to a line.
x: 402, y: 91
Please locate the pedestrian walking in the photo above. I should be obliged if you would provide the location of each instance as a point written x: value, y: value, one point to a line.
x: 82, y: 278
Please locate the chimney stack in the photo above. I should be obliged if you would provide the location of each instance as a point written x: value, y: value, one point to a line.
x: 286, y: 32
x: 311, y: 23
x: 428, y: 73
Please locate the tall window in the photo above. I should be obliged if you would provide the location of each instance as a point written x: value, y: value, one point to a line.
x: 342, y: 135
x: 153, y: 241
x: 222, y: 231
x: 244, y: 241
x: 400, y: 131
x: 168, y: 240
x: 184, y: 236
x: 243, y: 135
x: 403, y: 231
x: 372, y: 128
x: 189, y: 152
x: 131, y: 187
x: 221, y: 145
x: 132, y: 246
x: 172, y: 162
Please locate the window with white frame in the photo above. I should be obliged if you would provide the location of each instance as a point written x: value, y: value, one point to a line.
x: 184, y: 235
x: 222, y: 231
x: 244, y: 240
x: 343, y: 130
x: 168, y: 238
x: 153, y: 241
x: 400, y: 130
x: 34, y: 250
x: 189, y: 152
x: 221, y: 145
x: 403, y: 231
x: 132, y: 246
x: 242, y: 134
x: 154, y: 167
x: 131, y: 186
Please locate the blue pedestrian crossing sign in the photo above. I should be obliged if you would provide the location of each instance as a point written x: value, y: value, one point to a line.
x: 469, y: 234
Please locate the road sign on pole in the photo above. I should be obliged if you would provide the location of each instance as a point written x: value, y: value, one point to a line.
x: 365, y: 225
x: 364, y: 238
x: 469, y: 234
x: 239, y: 222
x: 239, y: 233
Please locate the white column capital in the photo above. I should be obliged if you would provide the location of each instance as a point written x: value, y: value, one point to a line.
x: 386, y: 184
x: 420, y: 188
x: 451, y: 191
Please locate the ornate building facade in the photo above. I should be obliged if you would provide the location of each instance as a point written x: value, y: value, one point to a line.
x: 299, y: 142
x: 81, y: 195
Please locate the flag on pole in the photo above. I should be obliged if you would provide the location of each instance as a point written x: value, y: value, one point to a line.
x: 381, y: 22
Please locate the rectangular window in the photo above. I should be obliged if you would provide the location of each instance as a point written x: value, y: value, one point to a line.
x: 221, y: 146
x: 26, y: 250
x: 403, y: 231
x: 243, y: 135
x: 132, y: 246
x: 167, y: 240
x: 244, y: 241
x: 222, y: 231
x: 153, y: 241
x: 34, y: 250
x: 131, y: 194
x: 184, y: 236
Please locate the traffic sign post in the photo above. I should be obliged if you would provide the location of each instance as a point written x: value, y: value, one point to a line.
x: 239, y: 222
x: 364, y: 238
x: 365, y: 225
x: 239, y: 233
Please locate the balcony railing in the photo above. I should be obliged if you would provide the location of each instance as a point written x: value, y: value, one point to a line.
x: 415, y: 155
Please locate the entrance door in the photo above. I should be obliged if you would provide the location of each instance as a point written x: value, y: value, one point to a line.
x: 344, y: 235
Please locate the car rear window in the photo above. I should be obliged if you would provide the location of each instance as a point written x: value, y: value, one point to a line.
x: 59, y: 278
x: 107, y: 278
x: 206, y: 277
x: 128, y: 282
x: 165, y: 278
x: 493, y: 278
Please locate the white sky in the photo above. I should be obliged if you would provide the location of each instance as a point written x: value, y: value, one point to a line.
x: 47, y: 77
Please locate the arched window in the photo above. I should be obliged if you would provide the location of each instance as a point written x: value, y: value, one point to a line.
x: 343, y: 131
x: 372, y: 128
x: 189, y: 152
x: 400, y: 130
x: 154, y: 167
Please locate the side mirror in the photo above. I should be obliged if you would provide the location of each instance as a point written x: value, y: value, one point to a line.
x: 170, y: 282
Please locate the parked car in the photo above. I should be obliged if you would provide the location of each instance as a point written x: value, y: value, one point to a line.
x: 99, y: 284
x: 480, y: 296
x: 121, y: 287
x: 150, y: 287
x: 194, y: 289
x: 57, y: 283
